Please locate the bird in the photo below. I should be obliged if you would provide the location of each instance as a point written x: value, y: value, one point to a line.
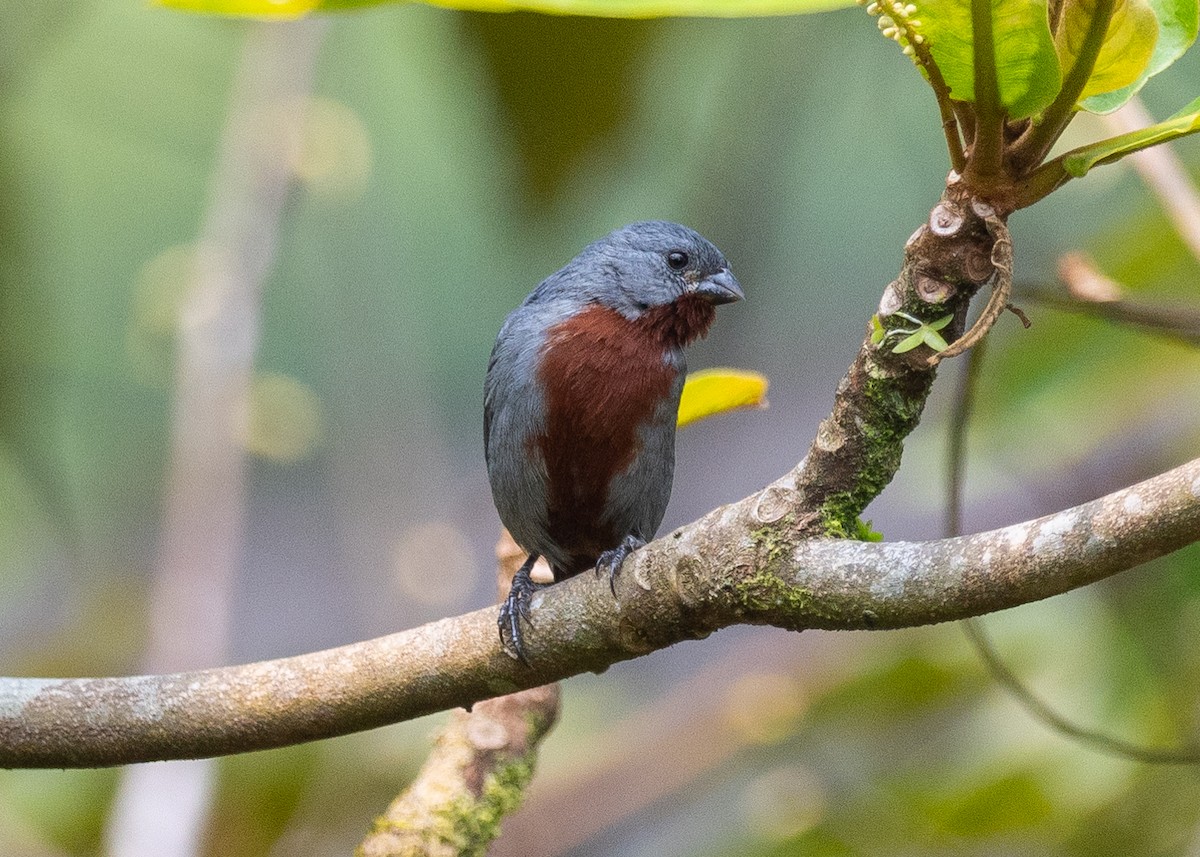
x: 580, y: 402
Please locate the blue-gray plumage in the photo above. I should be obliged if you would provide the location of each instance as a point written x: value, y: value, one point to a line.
x: 581, y: 398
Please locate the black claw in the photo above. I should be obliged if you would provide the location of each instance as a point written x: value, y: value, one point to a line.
x: 612, y: 560
x: 515, y: 608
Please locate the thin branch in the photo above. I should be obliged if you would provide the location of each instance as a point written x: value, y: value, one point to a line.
x: 741, y: 563
x: 1176, y: 322
x: 956, y: 454
x: 1033, y: 149
x: 1040, y: 710
x: 960, y: 418
x: 941, y: 91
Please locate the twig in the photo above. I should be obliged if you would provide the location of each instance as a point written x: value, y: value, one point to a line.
x: 956, y: 456
x: 1040, y: 710
x: 1092, y: 293
x: 941, y: 91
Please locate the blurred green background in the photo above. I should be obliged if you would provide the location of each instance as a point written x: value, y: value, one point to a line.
x: 448, y: 162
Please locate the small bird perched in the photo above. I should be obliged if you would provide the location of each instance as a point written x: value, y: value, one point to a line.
x: 581, y: 398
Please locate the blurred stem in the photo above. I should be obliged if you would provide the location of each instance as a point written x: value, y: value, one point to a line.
x: 1181, y: 324
x: 1040, y: 710
x: 960, y: 418
x: 161, y: 810
x: 1032, y: 150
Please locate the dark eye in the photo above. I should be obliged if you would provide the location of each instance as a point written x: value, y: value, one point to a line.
x: 677, y: 259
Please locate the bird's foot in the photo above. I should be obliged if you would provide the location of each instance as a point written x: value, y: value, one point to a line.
x: 515, y: 608
x: 611, y: 561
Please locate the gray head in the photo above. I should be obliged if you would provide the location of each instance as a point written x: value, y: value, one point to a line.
x: 644, y: 265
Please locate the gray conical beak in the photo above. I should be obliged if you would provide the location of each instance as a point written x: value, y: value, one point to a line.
x: 720, y: 288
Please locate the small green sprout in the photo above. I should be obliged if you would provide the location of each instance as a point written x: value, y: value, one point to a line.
x: 925, y: 333
x: 878, y: 331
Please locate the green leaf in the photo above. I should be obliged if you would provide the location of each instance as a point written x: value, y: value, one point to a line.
x: 1077, y: 162
x: 933, y: 339
x: 878, y: 331
x: 1127, y: 47
x: 1178, y: 24
x: 1027, y: 67
x: 911, y: 341
x: 715, y: 391
x: 600, y: 8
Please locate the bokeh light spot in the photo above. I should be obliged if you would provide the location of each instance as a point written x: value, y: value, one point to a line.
x: 331, y: 154
x: 158, y: 295
x: 434, y: 564
x: 763, y: 708
x: 784, y: 802
x: 284, y: 420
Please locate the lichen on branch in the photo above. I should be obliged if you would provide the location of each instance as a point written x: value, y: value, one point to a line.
x: 859, y: 445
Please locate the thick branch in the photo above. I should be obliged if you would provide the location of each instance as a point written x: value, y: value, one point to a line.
x: 739, y: 563
x: 859, y: 445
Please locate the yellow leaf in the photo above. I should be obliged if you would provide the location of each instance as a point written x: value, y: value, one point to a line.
x: 715, y: 391
x: 1127, y: 47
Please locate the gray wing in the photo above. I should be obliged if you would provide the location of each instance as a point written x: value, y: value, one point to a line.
x: 514, y: 413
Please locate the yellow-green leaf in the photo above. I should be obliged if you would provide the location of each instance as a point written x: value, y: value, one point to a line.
x: 1178, y: 25
x: 1127, y: 47
x: 715, y: 391
x: 1027, y: 69
x: 598, y: 8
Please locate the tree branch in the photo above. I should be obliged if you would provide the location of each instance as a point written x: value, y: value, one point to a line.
x: 476, y: 774
x: 478, y: 769
x: 742, y: 563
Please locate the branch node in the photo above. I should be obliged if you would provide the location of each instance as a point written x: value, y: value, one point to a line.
x: 945, y: 220
x: 1001, y: 260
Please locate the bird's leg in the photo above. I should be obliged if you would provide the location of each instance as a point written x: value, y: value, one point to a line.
x: 516, y: 607
x: 610, y: 561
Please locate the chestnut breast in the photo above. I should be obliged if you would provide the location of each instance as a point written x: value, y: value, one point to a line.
x: 603, y: 377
